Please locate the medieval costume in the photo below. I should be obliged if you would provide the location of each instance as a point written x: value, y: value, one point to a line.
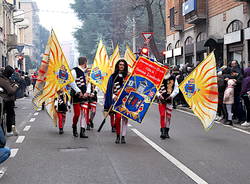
x: 115, y: 84
x: 79, y: 101
x: 168, y: 90
x: 62, y: 105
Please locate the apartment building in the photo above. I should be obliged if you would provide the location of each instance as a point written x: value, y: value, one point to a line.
x: 31, y: 33
x: 196, y: 27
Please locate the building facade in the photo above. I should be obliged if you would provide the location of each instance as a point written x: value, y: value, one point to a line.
x: 196, y: 27
x: 31, y: 33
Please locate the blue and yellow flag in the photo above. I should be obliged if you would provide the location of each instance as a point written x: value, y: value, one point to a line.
x: 53, y: 75
x: 101, y: 69
x: 200, y: 90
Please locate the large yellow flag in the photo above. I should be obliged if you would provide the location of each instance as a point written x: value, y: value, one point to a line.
x: 130, y: 57
x: 54, y: 74
x: 114, y: 58
x: 101, y: 70
x: 200, y: 90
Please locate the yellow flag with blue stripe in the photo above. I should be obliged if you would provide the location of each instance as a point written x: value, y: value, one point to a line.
x: 101, y: 69
x: 200, y: 90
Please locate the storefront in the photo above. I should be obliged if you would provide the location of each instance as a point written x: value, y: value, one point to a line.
x: 169, y: 57
x: 178, y: 56
x: 247, y: 38
x: 234, y: 42
x: 189, y: 50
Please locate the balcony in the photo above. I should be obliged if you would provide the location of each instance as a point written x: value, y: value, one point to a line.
x: 177, y: 28
x: 11, y: 40
x: 18, y: 16
x: 194, y: 11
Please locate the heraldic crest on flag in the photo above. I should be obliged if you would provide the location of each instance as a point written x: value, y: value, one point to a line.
x: 140, y: 89
x: 200, y: 90
x: 101, y: 69
x: 54, y: 74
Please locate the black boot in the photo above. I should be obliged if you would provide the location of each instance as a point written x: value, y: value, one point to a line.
x: 91, y: 124
x: 163, y: 135
x: 123, y: 140
x: 82, y: 133
x: 166, y: 133
x: 117, y: 141
x: 88, y: 127
x: 75, y: 134
x: 113, y: 129
x: 61, y: 131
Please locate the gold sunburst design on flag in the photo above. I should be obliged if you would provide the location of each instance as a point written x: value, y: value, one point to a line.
x: 200, y: 90
x: 53, y: 75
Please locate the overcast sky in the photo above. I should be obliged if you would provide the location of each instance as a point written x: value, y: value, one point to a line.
x: 56, y: 14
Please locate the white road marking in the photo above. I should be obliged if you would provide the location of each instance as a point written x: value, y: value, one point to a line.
x: 129, y: 125
x: 177, y: 163
x: 244, y: 131
x: 2, y: 171
x: 36, y: 113
x: 32, y: 119
x: 13, y: 152
x: 20, y: 139
x: 26, y: 129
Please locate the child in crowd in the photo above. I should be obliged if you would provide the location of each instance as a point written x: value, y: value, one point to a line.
x: 228, y: 100
x: 62, y: 105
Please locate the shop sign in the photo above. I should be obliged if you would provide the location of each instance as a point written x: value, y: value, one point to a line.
x: 169, y: 54
x: 247, y: 33
x: 188, y: 7
x: 232, y: 37
x: 178, y: 51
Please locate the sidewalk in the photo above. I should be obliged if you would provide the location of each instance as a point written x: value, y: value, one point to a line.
x: 187, y: 109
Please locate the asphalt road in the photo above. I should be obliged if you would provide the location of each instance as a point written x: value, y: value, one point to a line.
x: 40, y: 155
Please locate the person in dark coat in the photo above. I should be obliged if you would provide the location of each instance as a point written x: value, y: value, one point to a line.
x: 10, y: 88
x: 245, y: 94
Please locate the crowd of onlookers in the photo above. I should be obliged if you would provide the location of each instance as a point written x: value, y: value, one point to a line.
x: 234, y: 92
x: 14, y: 84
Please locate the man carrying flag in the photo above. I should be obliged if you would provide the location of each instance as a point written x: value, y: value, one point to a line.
x: 80, y: 103
x: 168, y: 90
x: 115, y: 84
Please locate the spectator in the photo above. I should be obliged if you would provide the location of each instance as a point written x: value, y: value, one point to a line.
x: 4, y: 151
x: 228, y: 100
x: 10, y: 88
x: 245, y: 93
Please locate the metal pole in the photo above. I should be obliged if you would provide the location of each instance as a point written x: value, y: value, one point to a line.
x: 134, y: 37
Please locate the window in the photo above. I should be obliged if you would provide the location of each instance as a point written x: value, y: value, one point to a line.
x: 178, y: 44
x: 171, y: 17
x: 189, y: 41
x: 169, y: 46
x: 236, y: 25
x: 201, y: 37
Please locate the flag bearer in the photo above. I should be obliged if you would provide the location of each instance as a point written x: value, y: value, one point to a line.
x: 168, y: 90
x: 115, y: 84
x: 79, y: 98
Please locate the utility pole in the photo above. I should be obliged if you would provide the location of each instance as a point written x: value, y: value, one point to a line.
x: 134, y: 36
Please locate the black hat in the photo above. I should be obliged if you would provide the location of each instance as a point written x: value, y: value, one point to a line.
x: 8, y: 71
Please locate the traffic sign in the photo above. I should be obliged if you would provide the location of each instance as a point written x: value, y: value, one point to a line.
x: 147, y: 36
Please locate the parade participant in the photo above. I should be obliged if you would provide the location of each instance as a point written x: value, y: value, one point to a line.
x: 92, y: 103
x: 78, y: 99
x: 168, y: 90
x: 62, y: 105
x: 115, y: 83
